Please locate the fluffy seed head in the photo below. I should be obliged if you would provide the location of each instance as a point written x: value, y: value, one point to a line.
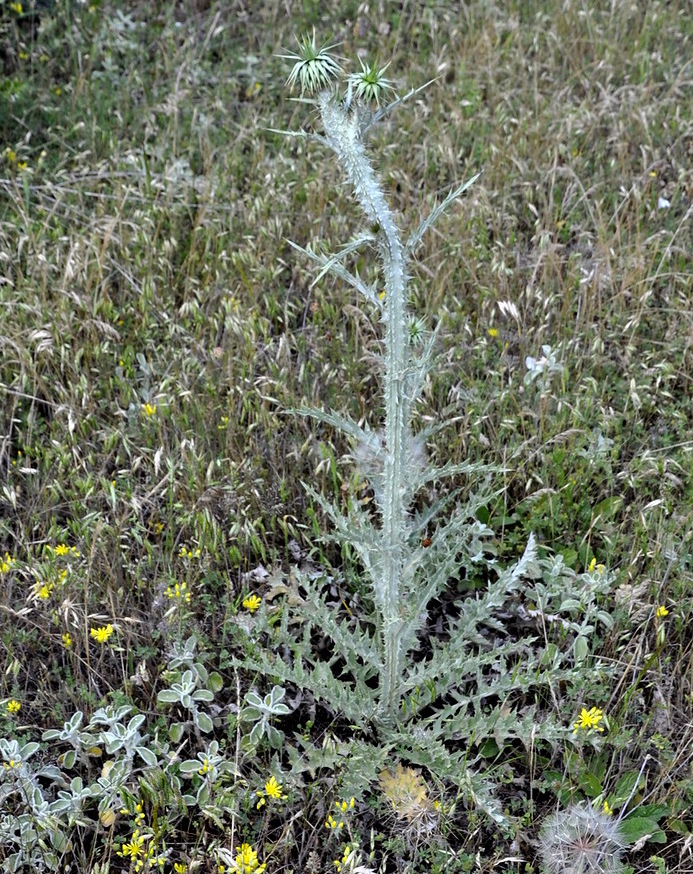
x: 581, y: 840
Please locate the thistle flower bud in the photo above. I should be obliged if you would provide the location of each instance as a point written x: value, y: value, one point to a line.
x: 315, y: 68
x: 370, y: 83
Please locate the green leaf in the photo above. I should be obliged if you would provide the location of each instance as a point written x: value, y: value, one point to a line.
x: 254, y: 699
x: 69, y: 759
x: 190, y: 766
x: 215, y: 682
x: 166, y: 696
x: 580, y: 649
x: 147, y: 756
x: 590, y: 785
x: 624, y: 788
x: 257, y: 732
x: 608, y: 507
x: 636, y: 828
x: 203, y: 794
x: 203, y: 722
x: 175, y: 731
x: 654, y: 811
x: 275, y: 737
x: 489, y: 749
x: 678, y: 826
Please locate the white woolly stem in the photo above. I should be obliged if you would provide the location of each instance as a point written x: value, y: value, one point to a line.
x: 343, y: 134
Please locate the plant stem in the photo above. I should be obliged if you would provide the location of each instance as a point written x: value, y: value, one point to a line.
x: 343, y: 134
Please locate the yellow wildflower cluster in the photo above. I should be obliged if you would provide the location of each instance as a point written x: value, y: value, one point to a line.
x: 207, y: 768
x: 589, y: 719
x: 43, y: 589
x: 342, y: 808
x: 178, y: 592
x: 661, y: 612
x: 67, y: 640
x: 101, y: 634
x: 246, y: 861
x: 17, y: 7
x: 340, y: 863
x: 148, y: 410
x: 141, y: 855
x: 137, y: 813
x: 272, y: 790
x: 14, y: 706
x: 6, y: 563
x: 189, y: 553
x: 594, y: 567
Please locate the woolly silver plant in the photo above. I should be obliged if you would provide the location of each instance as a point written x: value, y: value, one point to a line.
x: 581, y: 840
x: 407, y: 556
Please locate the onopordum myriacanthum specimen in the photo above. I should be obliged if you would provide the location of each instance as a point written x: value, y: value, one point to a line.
x: 407, y: 556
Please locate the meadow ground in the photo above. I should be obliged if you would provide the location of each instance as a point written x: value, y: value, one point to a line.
x: 157, y: 327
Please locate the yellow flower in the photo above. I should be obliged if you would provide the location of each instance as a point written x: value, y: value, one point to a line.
x: 134, y: 848
x: 493, y: 332
x: 102, y: 634
x: 179, y: 592
x: 340, y: 863
x: 662, y: 611
x: 14, y: 706
x: 589, y: 719
x: 246, y: 861
x: 6, y: 563
x: 180, y: 867
x: 599, y: 568
x: 606, y: 807
x: 16, y: 7
x: 148, y: 409
x: 67, y: 640
x: 43, y: 591
x: 343, y: 806
x: 252, y: 602
x: 273, y: 789
x: 189, y: 553
x: 332, y: 823
x: 63, y: 549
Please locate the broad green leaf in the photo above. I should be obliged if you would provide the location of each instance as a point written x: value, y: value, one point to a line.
x: 203, y: 722
x: 624, y: 788
x: 147, y: 756
x: 215, y: 682
x: 175, y: 731
x: 636, y: 828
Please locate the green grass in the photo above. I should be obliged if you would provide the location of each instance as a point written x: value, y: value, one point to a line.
x: 145, y: 261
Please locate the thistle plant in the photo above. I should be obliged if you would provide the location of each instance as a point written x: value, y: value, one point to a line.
x: 407, y: 555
